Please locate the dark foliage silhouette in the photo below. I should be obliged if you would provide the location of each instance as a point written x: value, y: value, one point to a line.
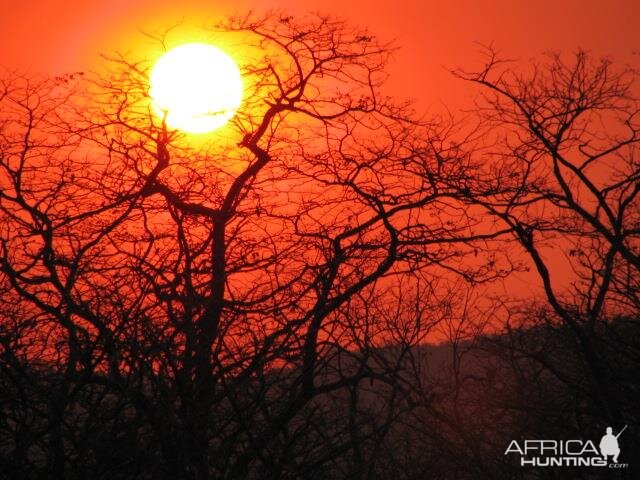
x: 218, y: 312
x: 259, y: 306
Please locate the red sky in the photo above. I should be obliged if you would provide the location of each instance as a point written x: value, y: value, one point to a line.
x: 57, y: 36
x: 54, y: 36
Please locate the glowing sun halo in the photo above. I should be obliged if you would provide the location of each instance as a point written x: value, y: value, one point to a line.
x: 198, y: 86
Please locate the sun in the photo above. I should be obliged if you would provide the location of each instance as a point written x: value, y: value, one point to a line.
x: 197, y: 86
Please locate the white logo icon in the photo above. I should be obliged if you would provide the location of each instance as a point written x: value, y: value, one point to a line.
x: 609, y: 444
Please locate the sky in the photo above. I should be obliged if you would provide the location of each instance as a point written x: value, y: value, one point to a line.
x: 58, y: 36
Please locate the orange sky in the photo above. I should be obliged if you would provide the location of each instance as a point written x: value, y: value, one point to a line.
x: 54, y: 36
x: 57, y: 36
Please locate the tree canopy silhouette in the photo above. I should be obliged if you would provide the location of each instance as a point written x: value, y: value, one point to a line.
x: 216, y: 298
x: 257, y: 305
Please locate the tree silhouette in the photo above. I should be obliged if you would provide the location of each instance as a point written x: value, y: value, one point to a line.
x: 222, y: 311
x: 263, y: 302
x: 568, y: 133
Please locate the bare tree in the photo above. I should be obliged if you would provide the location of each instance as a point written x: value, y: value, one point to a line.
x: 567, y: 134
x: 221, y: 312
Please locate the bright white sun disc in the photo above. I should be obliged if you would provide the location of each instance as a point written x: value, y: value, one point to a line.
x: 197, y: 86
